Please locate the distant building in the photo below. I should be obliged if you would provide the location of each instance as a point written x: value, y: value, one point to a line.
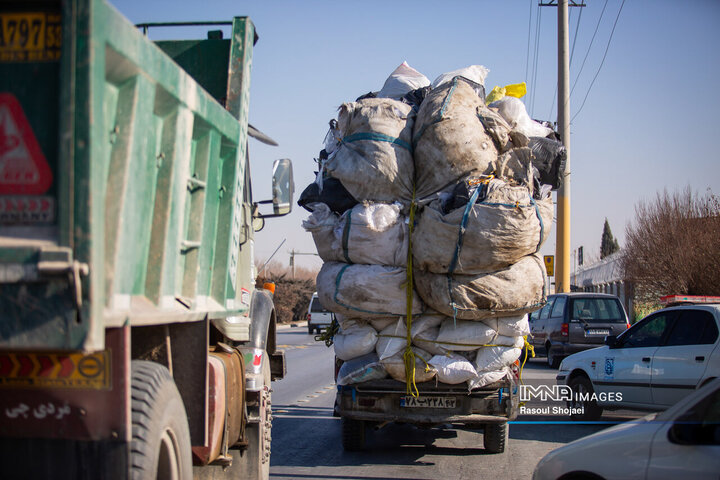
x: 604, y: 276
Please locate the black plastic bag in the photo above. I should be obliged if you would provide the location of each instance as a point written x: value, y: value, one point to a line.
x: 333, y: 194
x: 549, y: 158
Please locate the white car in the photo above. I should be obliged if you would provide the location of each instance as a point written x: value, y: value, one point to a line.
x: 318, y: 317
x: 651, y: 366
x: 682, y: 442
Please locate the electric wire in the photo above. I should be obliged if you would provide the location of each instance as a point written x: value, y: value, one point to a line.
x: 589, y: 47
x: 536, y: 57
x: 601, y: 63
x: 527, y: 54
x: 572, y: 53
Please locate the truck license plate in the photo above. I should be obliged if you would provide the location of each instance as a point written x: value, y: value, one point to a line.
x: 427, y: 402
x: 30, y: 36
x: 598, y: 331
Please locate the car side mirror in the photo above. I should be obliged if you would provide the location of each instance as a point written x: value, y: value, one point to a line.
x: 611, y: 341
x: 683, y: 433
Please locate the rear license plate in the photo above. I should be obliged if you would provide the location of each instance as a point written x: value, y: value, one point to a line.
x: 30, y: 36
x: 597, y: 331
x: 427, y: 402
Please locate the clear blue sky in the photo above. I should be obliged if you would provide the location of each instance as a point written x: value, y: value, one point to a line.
x: 649, y: 122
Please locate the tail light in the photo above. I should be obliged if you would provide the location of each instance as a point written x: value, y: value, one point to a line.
x: 627, y: 325
x: 308, y: 317
x: 564, y: 329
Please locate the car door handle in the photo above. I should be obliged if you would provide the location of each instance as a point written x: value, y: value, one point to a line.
x: 699, y: 359
x: 646, y: 359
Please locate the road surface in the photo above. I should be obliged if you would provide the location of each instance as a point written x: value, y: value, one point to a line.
x: 307, y: 439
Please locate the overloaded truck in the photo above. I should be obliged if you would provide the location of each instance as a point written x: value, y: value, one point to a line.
x: 429, y: 208
x: 133, y: 341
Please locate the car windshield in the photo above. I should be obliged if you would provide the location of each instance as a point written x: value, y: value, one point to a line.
x: 597, y: 310
x: 317, y: 307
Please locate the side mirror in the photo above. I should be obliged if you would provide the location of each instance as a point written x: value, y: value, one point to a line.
x: 283, y: 189
x: 611, y: 341
x: 684, y: 433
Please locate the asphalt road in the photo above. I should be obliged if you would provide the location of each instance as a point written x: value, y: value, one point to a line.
x: 307, y: 439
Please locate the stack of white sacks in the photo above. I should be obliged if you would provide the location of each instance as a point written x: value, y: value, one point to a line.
x: 479, y: 224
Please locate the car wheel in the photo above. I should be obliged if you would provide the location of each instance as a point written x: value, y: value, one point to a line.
x: 553, y: 360
x: 582, y: 391
x: 310, y: 330
x: 495, y: 437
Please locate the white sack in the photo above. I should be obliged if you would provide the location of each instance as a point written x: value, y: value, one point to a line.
x: 486, y: 378
x: 395, y: 366
x: 475, y: 73
x: 449, y: 139
x: 368, y: 233
x: 515, y: 290
x: 508, y: 225
x: 393, y: 338
x: 365, y: 291
x: 381, y: 324
x: 513, y: 111
x: 354, y: 342
x: 361, y: 369
x: 374, y: 160
x: 453, y: 369
x: 495, y: 358
x: 403, y: 80
x: 514, y: 326
x: 466, y: 335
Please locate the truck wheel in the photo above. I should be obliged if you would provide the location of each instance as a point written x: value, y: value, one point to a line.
x: 581, y: 385
x: 256, y: 457
x: 353, y: 434
x: 160, y: 432
x: 310, y: 330
x: 495, y: 437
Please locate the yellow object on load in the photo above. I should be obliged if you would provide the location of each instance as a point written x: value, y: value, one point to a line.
x: 517, y: 90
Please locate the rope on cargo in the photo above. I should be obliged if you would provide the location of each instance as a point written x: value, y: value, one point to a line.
x: 529, y: 349
x: 454, y: 344
x: 328, y: 334
x: 479, y: 183
x: 409, y: 355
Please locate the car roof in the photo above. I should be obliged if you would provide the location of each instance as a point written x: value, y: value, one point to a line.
x: 584, y: 294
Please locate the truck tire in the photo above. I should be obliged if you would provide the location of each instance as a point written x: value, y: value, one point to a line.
x: 160, y: 433
x: 353, y: 434
x: 495, y: 437
x: 591, y: 411
x: 255, y: 458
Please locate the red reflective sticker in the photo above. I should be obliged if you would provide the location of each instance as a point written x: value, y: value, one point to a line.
x: 23, y: 167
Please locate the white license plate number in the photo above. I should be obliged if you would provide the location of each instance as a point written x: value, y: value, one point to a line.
x: 427, y: 402
x: 598, y: 332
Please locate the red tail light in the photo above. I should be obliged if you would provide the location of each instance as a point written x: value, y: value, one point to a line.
x: 308, y: 317
x: 564, y: 329
x: 627, y: 325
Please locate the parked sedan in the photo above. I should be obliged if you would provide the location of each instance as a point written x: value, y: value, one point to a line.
x: 682, y: 442
x: 653, y: 365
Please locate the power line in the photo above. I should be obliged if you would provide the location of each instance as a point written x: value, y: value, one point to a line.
x: 535, y: 61
x: 589, y: 47
x: 572, y: 52
x: 601, y: 63
x: 527, y: 55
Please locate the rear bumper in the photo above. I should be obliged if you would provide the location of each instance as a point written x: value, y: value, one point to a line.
x: 565, y: 349
x: 379, y: 401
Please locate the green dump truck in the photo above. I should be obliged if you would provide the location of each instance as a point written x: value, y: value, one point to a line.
x: 133, y: 342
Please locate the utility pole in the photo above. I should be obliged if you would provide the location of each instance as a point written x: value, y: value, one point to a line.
x: 292, y: 260
x: 562, y: 232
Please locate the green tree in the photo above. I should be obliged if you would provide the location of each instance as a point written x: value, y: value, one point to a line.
x: 608, y: 244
